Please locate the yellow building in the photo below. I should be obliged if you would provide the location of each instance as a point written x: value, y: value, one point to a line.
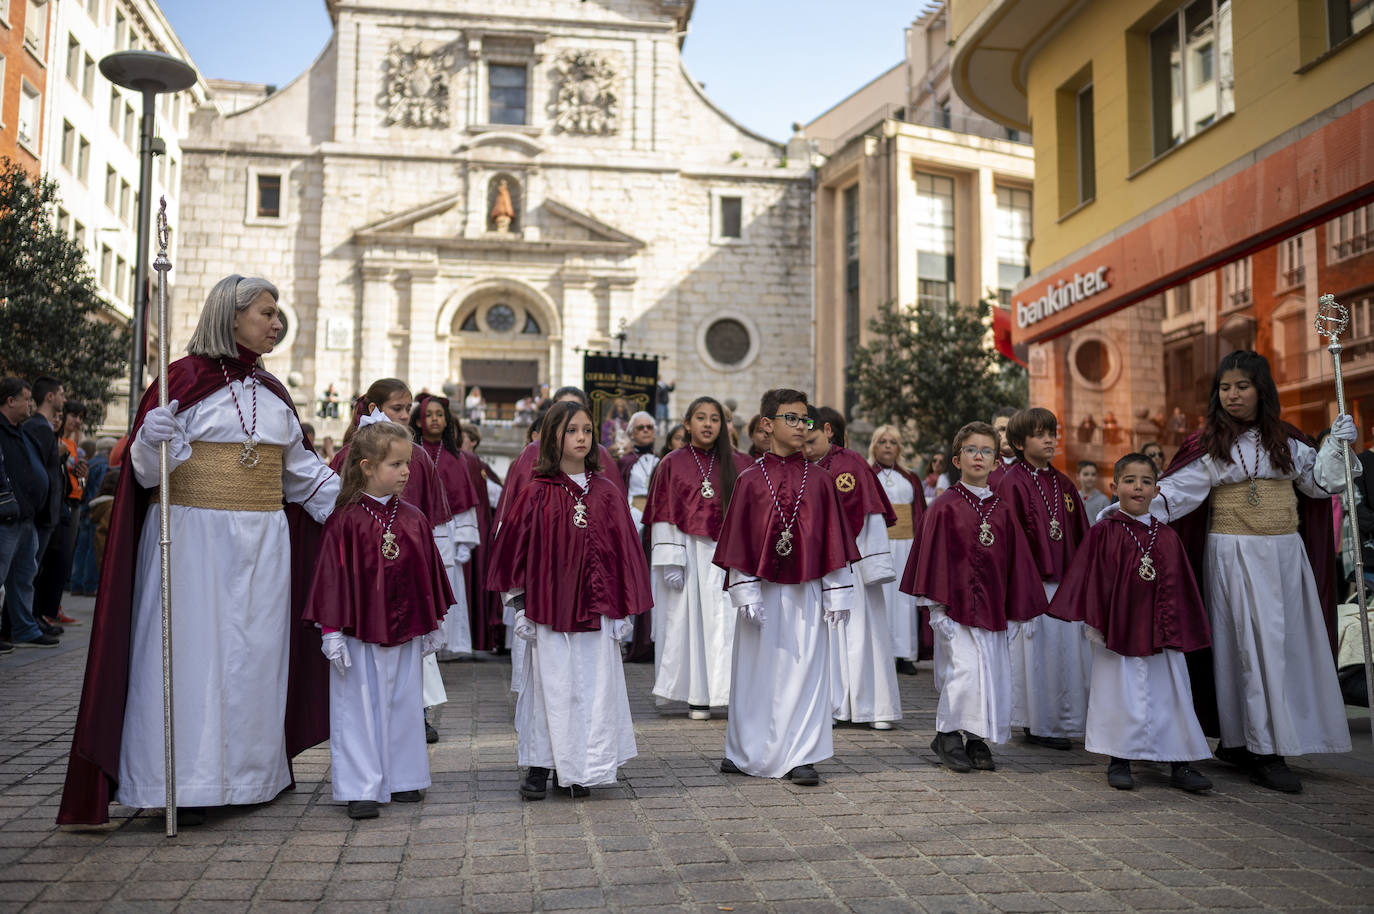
x: 1202, y: 173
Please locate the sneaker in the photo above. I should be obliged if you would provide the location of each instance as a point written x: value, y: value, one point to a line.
x: 1119, y: 774
x: 804, y: 776
x: 979, y: 755
x: 880, y: 725
x: 65, y: 619
x: 406, y: 796
x: 1186, y: 777
x: 699, y: 712
x: 950, y: 748
x: 431, y: 734
x: 1272, y: 772
x: 906, y: 667
x: 44, y: 640
x: 362, y: 809
x: 536, y: 783
x: 48, y: 627
x: 729, y: 767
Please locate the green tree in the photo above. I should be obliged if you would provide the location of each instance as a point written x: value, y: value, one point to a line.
x: 52, y: 318
x: 929, y: 372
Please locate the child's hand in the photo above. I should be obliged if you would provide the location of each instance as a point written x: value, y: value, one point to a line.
x: 336, y: 650
x: 673, y: 576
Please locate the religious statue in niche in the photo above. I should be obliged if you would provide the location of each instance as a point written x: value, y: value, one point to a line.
x: 586, y: 99
x: 415, y: 85
x: 503, y: 198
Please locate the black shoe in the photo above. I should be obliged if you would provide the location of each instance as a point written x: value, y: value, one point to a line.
x: 190, y: 816
x: 950, y: 748
x: 906, y: 667
x: 406, y: 796
x: 1239, y: 756
x: 1271, y: 771
x: 729, y: 767
x: 40, y: 641
x: 979, y: 755
x: 804, y: 776
x: 1119, y: 774
x: 49, y: 629
x: 1186, y: 777
x: 536, y: 784
x: 1056, y: 742
x: 431, y: 734
x: 362, y: 809
x: 574, y: 790
x: 6, y: 647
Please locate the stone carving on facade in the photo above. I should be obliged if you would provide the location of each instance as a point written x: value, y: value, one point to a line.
x: 586, y: 95
x: 503, y: 211
x: 415, y: 85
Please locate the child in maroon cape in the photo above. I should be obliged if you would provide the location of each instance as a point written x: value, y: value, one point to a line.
x: 568, y: 561
x: 975, y: 572
x: 1005, y: 455
x: 1050, y: 658
x: 378, y: 595
x: 1132, y: 587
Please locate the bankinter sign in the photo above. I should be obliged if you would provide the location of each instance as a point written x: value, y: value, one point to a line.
x: 1059, y: 296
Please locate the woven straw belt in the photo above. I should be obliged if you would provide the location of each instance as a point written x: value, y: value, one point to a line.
x: 903, y: 529
x: 1275, y: 515
x: 213, y: 478
x: 639, y: 501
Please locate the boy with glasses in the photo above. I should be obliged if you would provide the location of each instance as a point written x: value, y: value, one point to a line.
x: 786, y: 547
x: 975, y: 572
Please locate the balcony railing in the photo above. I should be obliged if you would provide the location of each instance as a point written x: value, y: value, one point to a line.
x: 1294, y: 277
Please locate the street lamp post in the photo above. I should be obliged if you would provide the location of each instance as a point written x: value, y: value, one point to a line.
x: 149, y: 73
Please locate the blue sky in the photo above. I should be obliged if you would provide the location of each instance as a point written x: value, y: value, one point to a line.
x: 766, y: 63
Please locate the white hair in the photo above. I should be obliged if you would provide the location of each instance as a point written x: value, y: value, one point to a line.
x: 214, y: 334
x: 640, y: 415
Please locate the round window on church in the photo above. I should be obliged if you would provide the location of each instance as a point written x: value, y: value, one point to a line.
x: 501, y: 318
x: 727, y: 341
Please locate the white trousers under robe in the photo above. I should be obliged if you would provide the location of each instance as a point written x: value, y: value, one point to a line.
x: 694, y: 628
x: 902, y: 616
x: 863, y: 674
x: 457, y: 628
x: 1142, y: 708
x: 376, y: 723
x: 573, y: 713
x: 973, y: 677
x: 1051, y: 667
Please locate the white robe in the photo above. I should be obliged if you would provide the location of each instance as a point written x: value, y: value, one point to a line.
x: 863, y: 672
x: 1051, y: 665
x: 638, y: 485
x: 462, y: 531
x: 694, y: 628
x: 231, y: 594
x: 902, y: 616
x: 573, y: 713
x: 376, y: 725
x: 1142, y: 708
x: 781, y: 702
x: 1275, y: 678
x: 972, y: 676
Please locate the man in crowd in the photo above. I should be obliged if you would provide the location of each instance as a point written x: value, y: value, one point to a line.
x: 27, y: 478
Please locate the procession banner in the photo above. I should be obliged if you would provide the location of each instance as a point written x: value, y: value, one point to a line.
x: 618, y: 386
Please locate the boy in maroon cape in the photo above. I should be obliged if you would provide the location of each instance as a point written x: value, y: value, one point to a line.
x: 1131, y: 586
x: 484, y: 607
x: 976, y: 573
x: 862, y: 669
x: 1050, y: 660
x: 379, y: 593
x: 786, y: 547
x: 1006, y: 456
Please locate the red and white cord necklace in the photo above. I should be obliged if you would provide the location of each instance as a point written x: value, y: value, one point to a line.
x: 1253, y: 496
x: 783, y: 546
x: 248, y: 457
x: 985, y: 534
x: 579, y: 504
x: 1147, y: 564
x: 707, y: 490
x: 1051, y: 507
x: 389, y: 548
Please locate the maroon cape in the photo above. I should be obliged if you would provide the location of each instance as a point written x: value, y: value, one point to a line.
x: 1017, y: 486
x: 453, y: 477
x: 861, y: 494
x: 675, y: 494
x: 572, y: 576
x: 423, y: 489
x: 1315, y: 527
x: 521, y: 471
x: 374, y: 599
x: 1136, y: 617
x: 93, y: 768
x: 925, y: 638
x: 627, y: 462
x: 980, y: 586
x: 484, y: 607
x: 821, y: 539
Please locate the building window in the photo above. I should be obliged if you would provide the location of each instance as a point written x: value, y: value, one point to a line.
x: 121, y: 31
x: 79, y: 233
x: 1192, y: 83
x: 73, y: 60
x: 93, y: 9
x: 501, y: 318
x: 469, y: 324
x: 269, y: 197
x: 172, y: 174
x: 531, y: 325
x: 83, y: 160
x: 88, y: 78
x: 36, y: 26
x: 130, y: 130
x: 30, y: 113
x: 934, y: 240
x: 1013, y: 235
x: 106, y: 264
x: 506, y: 94
x: 731, y: 217
x: 1345, y: 18
x: 852, y: 327
x: 1087, y: 150
x: 64, y: 220
x: 942, y: 113
x: 727, y: 341
x: 1362, y: 319
x: 124, y: 200
x: 1350, y: 234
x: 1178, y: 300
x: 1291, y: 269
x: 111, y: 186
x: 120, y: 271
x: 68, y: 146
x: 1235, y: 284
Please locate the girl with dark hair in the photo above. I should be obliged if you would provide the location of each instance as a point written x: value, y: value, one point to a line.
x: 1247, y: 490
x: 694, y: 624
x: 677, y: 438
x: 569, y: 564
x: 378, y: 595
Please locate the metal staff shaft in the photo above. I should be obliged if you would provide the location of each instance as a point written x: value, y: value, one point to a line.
x: 1332, y: 318
x: 162, y: 265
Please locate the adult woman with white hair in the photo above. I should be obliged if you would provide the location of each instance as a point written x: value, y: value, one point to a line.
x: 248, y: 684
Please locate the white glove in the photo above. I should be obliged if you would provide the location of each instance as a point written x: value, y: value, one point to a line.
x: 464, y: 553
x: 336, y: 650
x: 1094, y: 635
x: 432, y: 641
x: 372, y: 418
x: 524, y: 628
x: 622, y: 629
x: 836, y: 616
x: 673, y: 576
x: 160, y: 424
x: 1343, y: 429
x: 753, y: 612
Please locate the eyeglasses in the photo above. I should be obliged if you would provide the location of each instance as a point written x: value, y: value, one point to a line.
x: 970, y: 451
x: 793, y: 420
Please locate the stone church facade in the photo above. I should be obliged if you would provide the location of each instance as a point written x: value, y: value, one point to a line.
x: 468, y: 193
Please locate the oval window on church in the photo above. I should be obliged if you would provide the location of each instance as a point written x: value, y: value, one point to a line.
x: 501, y: 318
x: 727, y: 341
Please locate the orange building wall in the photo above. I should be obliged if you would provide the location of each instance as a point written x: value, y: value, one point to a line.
x: 20, y: 64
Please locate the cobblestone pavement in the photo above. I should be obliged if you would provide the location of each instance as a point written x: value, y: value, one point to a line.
x: 887, y: 830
